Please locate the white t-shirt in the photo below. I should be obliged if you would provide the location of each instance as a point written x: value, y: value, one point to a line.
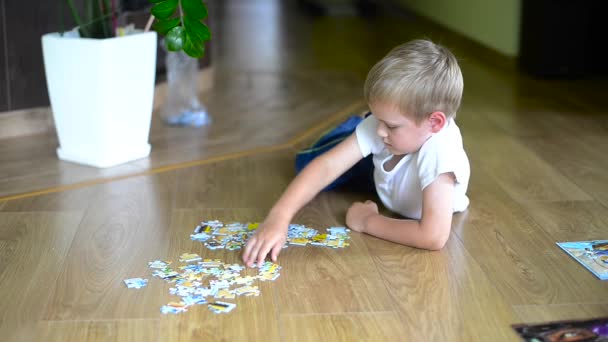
x: 401, y: 188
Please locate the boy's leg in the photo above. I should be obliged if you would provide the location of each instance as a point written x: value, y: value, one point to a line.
x: 359, y: 177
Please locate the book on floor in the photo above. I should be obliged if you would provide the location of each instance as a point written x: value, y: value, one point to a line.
x: 573, y: 330
x: 592, y: 254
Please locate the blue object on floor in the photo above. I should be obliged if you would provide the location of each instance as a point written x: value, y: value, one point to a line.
x: 190, y: 118
x: 360, y: 176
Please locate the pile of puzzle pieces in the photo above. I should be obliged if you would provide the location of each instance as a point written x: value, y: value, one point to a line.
x: 232, y: 236
x: 224, y: 282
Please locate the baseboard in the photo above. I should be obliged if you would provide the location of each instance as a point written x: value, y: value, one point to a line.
x: 26, y: 122
x: 32, y: 121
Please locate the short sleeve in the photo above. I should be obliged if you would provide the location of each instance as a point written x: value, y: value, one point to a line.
x: 442, y: 156
x: 369, y: 141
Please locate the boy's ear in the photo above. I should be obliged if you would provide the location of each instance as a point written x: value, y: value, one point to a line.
x: 437, y: 120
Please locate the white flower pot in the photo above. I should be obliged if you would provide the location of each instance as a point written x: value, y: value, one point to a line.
x: 101, y: 93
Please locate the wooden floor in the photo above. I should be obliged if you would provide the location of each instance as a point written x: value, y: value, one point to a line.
x: 69, y: 234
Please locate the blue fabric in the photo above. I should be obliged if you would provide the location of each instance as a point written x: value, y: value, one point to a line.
x: 360, y: 176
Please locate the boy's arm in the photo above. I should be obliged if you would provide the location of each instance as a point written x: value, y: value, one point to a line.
x: 324, y: 169
x: 431, y: 232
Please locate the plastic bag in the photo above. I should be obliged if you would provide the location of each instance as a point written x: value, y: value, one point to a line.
x: 182, y: 105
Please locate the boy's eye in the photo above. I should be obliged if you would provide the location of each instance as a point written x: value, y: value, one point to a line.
x: 391, y: 127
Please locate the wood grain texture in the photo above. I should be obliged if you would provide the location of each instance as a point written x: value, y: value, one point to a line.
x: 570, y: 220
x: 524, y: 175
x: 126, y: 226
x: 254, y: 318
x: 581, y: 158
x: 517, y: 254
x: 33, y: 248
x: 538, y: 164
x: 127, y: 330
x: 264, y: 98
x: 379, y: 326
x: 77, y: 199
x: 246, y: 182
x: 560, y: 312
x: 442, y: 295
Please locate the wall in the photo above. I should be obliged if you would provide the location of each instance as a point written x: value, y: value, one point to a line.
x: 493, y: 23
x: 22, y: 23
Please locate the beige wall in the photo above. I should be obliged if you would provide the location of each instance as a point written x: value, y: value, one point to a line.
x: 493, y: 23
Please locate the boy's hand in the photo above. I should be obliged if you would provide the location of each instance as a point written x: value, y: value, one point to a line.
x: 358, y: 213
x: 270, y: 238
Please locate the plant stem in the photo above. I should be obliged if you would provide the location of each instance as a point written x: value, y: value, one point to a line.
x: 181, y: 13
x: 103, y: 17
x: 103, y: 8
x: 75, y: 14
x: 114, y: 25
x: 149, y: 23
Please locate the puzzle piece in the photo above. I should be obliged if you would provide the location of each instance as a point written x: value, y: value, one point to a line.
x: 136, y: 283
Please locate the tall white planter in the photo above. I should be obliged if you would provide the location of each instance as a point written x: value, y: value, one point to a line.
x: 101, y: 93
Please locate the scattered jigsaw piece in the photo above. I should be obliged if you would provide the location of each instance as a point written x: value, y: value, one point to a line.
x: 221, y: 307
x: 159, y: 264
x: 233, y: 236
x: 136, y: 283
x: 186, y: 257
x: 222, y: 281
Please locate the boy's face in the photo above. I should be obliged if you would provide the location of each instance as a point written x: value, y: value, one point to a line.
x: 400, y: 133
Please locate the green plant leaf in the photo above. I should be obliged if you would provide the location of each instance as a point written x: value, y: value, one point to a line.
x: 198, y: 31
x: 164, y: 26
x: 195, y: 8
x: 186, y: 31
x: 164, y: 9
x: 175, y: 39
x: 192, y: 48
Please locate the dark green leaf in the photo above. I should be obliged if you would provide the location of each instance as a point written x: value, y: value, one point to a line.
x: 195, y: 8
x: 154, y: 1
x: 193, y: 49
x: 164, y: 26
x: 175, y: 39
x: 198, y: 31
x: 164, y: 10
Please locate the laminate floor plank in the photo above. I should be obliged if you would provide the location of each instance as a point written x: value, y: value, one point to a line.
x: 443, y: 295
x: 537, y: 152
x: 379, y: 326
x: 523, y: 175
x: 33, y: 249
x: 126, y: 225
x: 560, y: 312
x: 128, y: 330
x: 581, y: 158
x: 254, y: 318
x: 517, y: 254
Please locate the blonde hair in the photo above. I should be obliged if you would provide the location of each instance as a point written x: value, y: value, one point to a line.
x: 419, y: 77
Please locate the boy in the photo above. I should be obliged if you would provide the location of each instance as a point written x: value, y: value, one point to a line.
x: 421, y: 170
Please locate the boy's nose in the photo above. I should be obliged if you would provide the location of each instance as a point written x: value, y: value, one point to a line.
x: 381, y: 132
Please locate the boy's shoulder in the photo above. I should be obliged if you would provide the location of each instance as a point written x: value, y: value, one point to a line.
x: 443, y: 152
x: 368, y: 140
x: 444, y: 142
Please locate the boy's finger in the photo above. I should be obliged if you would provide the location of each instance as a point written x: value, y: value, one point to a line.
x: 275, y: 252
x: 254, y: 253
x: 247, y: 250
x: 262, y: 253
